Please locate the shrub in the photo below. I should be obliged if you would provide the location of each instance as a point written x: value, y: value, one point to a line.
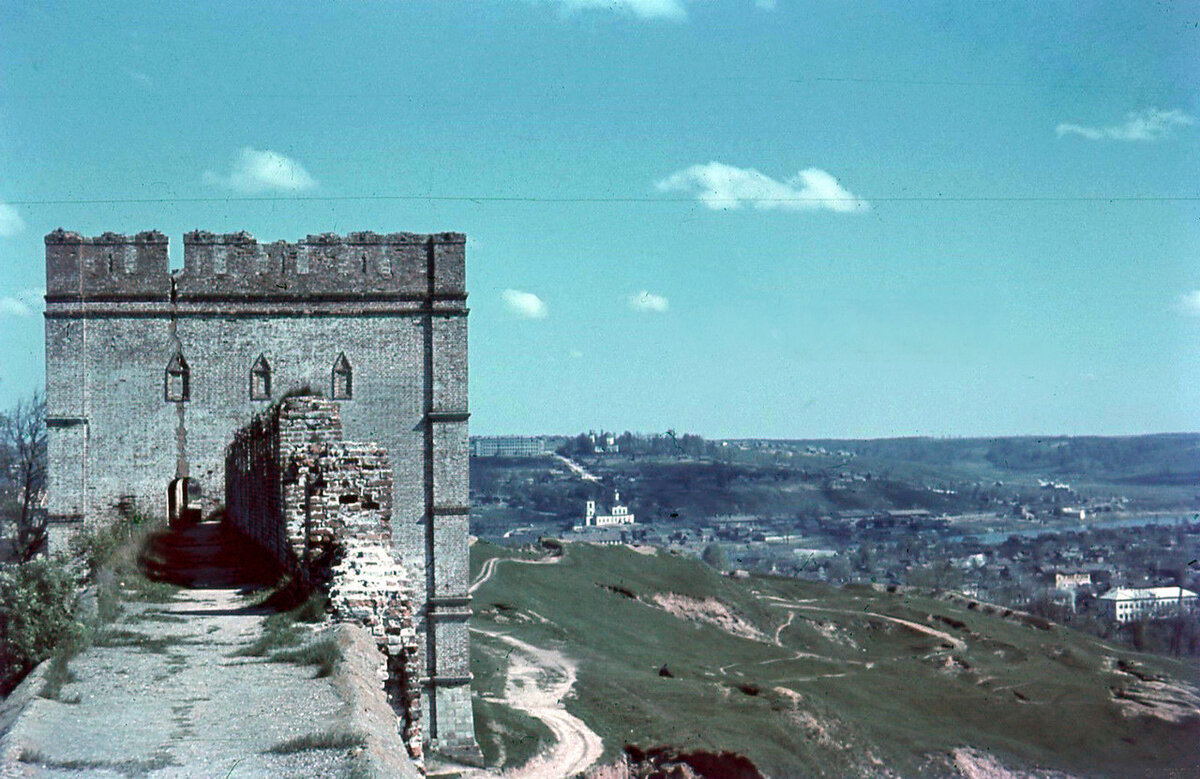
x: 114, y: 545
x: 715, y: 556
x: 58, y: 674
x: 36, y: 615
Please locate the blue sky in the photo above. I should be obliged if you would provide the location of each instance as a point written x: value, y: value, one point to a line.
x: 739, y: 218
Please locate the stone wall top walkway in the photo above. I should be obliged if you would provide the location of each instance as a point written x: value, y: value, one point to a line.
x: 180, y: 703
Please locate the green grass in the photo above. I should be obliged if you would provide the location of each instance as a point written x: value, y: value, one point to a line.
x: 324, y: 654
x: 313, y: 609
x: 279, y: 631
x: 108, y: 597
x: 158, y: 761
x: 919, y: 697
x: 291, y: 595
x: 283, y: 629
x: 111, y: 555
x: 339, y: 739
x: 136, y: 587
x: 58, y: 671
x: 158, y: 645
x: 159, y: 616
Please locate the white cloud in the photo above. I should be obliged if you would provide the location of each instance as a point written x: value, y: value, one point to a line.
x: 1148, y: 125
x: 575, y: 354
x: 720, y: 186
x: 1188, y: 303
x: 673, y: 10
x: 25, y: 303
x: 524, y: 304
x: 642, y: 9
x: 10, y: 221
x: 648, y: 301
x: 263, y: 171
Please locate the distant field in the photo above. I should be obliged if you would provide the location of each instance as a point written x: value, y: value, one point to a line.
x: 805, y: 679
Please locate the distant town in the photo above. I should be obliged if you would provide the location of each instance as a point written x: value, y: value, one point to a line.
x: 1100, y: 533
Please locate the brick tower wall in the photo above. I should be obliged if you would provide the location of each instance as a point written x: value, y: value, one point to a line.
x: 394, y: 305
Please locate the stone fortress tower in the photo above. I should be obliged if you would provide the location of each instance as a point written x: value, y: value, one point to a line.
x: 150, y: 372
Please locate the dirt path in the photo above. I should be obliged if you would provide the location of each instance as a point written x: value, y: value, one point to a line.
x: 485, y: 573
x: 489, y: 568
x: 779, y: 630
x: 163, y: 693
x: 957, y: 643
x: 538, y: 681
x: 800, y: 605
x: 165, y: 690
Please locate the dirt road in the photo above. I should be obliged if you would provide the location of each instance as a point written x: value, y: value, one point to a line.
x: 578, y: 469
x: 538, y: 681
x: 489, y: 568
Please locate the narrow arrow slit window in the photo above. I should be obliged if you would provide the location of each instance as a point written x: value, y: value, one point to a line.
x: 177, y: 382
x: 343, y: 378
x: 260, y: 379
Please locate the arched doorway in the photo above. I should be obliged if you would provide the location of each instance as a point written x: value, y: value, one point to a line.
x: 183, y: 502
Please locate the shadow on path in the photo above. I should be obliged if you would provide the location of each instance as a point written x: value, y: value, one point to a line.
x: 207, y: 555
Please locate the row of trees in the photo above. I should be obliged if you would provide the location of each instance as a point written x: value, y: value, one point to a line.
x: 23, y: 478
x: 669, y: 443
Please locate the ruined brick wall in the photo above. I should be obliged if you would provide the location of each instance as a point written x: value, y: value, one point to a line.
x: 393, y: 305
x: 252, y: 488
x: 322, y: 507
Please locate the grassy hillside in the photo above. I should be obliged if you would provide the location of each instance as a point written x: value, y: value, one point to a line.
x: 807, y: 679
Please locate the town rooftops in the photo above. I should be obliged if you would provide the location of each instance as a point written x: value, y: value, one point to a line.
x: 1147, y: 593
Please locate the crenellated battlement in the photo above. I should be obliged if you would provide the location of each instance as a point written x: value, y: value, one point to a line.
x: 61, y: 236
x: 324, y: 239
x: 110, y: 264
x: 361, y: 265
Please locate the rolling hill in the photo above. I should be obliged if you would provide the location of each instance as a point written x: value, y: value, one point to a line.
x: 805, y: 679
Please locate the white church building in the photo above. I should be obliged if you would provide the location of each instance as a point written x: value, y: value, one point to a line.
x: 594, y: 516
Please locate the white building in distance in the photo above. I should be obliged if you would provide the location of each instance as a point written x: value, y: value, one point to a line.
x: 1128, y: 604
x: 618, y: 515
x: 1070, y: 580
x: 508, y: 446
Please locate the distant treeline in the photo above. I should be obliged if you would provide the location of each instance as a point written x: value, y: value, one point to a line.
x: 668, y: 443
x: 1170, y: 458
x: 1160, y: 459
